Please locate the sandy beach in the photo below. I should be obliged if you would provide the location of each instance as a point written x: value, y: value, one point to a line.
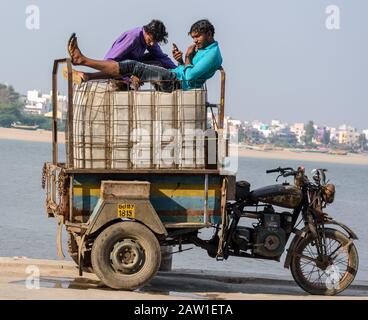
x: 359, y: 159
x: 29, y: 135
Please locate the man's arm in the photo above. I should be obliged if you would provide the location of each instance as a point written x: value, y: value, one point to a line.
x: 157, y: 53
x: 177, y: 54
x: 210, y: 62
x: 190, y: 54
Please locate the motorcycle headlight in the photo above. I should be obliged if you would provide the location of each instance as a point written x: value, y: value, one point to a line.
x: 328, y: 193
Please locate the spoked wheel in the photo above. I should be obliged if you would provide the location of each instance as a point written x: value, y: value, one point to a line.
x: 126, y: 256
x: 329, y: 273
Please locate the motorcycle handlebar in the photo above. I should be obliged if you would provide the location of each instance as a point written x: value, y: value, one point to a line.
x: 281, y: 170
x: 273, y: 170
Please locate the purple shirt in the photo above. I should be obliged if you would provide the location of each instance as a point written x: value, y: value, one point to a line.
x: 131, y: 46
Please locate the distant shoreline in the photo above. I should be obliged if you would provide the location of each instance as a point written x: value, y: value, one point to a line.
x: 29, y: 135
x: 358, y: 159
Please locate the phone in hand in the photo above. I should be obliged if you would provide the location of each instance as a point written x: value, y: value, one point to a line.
x: 175, y: 47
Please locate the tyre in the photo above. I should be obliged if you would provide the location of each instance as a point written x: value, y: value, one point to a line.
x: 327, y: 276
x: 126, y: 256
x: 73, y: 252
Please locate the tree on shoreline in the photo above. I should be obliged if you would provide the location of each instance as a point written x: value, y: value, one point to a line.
x: 11, y: 110
x: 9, y: 114
x: 309, y: 133
x: 10, y: 106
x: 363, y: 142
x: 8, y: 96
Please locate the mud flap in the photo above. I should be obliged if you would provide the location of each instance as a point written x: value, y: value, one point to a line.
x: 124, y: 200
x: 80, y: 260
x: 59, y: 242
x: 224, y: 222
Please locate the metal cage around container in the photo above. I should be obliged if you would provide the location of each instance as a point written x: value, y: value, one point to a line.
x: 138, y: 129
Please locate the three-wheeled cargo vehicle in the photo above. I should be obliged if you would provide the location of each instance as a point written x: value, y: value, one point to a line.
x: 148, y: 169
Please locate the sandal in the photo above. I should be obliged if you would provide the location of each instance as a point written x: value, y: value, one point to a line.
x: 71, y: 42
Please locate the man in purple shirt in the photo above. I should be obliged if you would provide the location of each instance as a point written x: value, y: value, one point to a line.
x: 133, y: 44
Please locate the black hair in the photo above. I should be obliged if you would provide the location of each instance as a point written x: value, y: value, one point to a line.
x: 157, y: 29
x: 202, y: 26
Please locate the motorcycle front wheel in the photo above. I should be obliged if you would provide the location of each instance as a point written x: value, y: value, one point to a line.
x: 327, y: 274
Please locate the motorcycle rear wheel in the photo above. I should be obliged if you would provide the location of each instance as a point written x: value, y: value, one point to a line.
x: 317, y: 279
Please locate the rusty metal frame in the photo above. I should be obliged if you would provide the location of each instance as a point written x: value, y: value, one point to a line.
x: 71, y: 197
x: 55, y: 166
x: 70, y: 116
x: 52, y: 173
x: 224, y: 220
x: 222, y: 98
x: 69, y: 127
x: 205, y: 213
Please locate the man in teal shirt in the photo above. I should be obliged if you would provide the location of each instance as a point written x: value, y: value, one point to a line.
x: 202, y: 60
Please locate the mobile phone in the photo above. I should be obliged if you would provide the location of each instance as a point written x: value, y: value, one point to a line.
x: 175, y: 47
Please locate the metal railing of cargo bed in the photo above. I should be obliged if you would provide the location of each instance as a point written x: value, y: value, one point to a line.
x: 109, y: 96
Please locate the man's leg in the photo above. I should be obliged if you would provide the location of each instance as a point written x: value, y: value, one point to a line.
x: 108, y: 68
x: 95, y: 76
x: 163, y: 79
x: 149, y: 59
x: 81, y: 76
x: 115, y: 69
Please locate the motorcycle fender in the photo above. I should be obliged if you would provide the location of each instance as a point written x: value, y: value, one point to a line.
x: 350, y: 232
x: 300, y: 235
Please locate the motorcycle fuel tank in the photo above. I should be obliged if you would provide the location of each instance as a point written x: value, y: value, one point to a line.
x: 282, y: 195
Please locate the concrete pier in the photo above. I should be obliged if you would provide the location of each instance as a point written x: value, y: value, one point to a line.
x: 30, y: 279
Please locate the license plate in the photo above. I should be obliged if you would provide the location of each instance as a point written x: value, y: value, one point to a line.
x: 126, y: 210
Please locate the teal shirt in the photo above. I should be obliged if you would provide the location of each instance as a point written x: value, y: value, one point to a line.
x: 204, y: 65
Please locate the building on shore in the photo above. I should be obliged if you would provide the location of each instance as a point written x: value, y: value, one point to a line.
x: 35, y: 103
x: 298, y: 129
x: 347, y: 135
x: 365, y: 132
x: 40, y: 104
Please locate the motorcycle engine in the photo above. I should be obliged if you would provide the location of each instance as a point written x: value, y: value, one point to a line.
x: 269, y: 237
x: 241, y: 238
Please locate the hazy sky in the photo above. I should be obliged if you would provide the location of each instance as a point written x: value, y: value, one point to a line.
x: 281, y: 60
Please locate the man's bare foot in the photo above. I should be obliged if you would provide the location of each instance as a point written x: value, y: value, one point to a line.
x: 84, y: 76
x: 77, y: 76
x: 74, y: 51
x: 136, y: 82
